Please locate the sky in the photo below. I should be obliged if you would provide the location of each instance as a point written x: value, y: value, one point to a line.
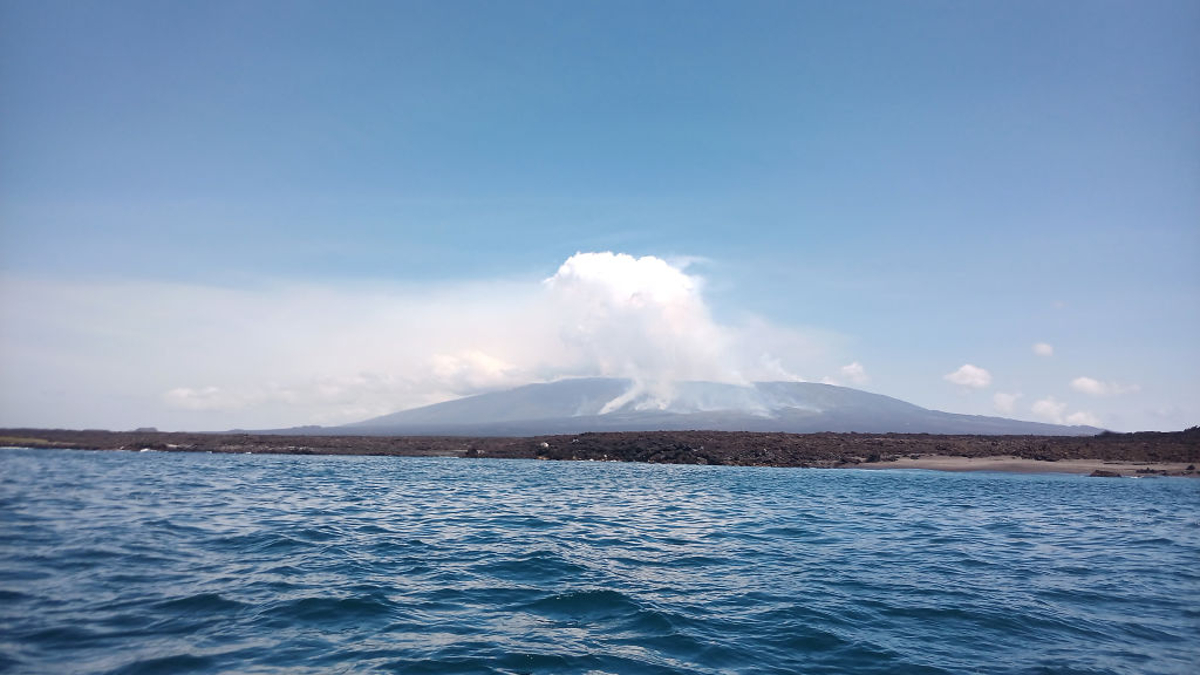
x: 220, y: 215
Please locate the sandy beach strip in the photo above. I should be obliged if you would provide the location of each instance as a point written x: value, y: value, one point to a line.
x: 1013, y: 464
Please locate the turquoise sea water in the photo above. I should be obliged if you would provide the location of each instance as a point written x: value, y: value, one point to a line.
x: 114, y: 562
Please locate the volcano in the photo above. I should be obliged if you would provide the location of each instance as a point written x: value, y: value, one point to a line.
x: 580, y: 405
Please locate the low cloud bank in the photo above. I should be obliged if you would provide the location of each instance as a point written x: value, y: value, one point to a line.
x: 183, y: 356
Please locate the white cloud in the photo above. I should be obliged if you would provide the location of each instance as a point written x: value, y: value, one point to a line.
x: 855, y: 373
x: 206, y: 398
x: 851, y: 373
x: 1093, y: 387
x: 1043, y: 349
x: 126, y: 354
x: 1049, y: 409
x: 1052, y: 410
x: 1089, y: 386
x: 1005, y: 403
x: 970, y: 376
x: 1083, y: 417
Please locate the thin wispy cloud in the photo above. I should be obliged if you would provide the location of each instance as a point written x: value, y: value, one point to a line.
x: 1005, y: 403
x: 1083, y: 417
x: 1094, y: 387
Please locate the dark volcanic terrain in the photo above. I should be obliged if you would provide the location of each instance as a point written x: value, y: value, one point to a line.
x: 666, y: 447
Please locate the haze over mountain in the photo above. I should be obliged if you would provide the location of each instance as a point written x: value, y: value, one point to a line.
x: 613, y: 404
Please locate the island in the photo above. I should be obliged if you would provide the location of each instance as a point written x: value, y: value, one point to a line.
x: 1107, y: 454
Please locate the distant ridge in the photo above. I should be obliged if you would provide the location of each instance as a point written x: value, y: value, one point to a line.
x: 606, y: 404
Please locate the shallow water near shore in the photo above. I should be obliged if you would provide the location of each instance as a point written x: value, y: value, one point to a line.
x: 117, y: 562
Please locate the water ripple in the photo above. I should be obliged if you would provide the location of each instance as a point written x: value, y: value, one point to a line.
x: 172, y: 563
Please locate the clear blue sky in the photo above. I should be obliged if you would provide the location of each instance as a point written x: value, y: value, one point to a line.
x: 200, y: 202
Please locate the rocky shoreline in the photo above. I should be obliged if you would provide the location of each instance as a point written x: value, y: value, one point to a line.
x: 1142, y: 453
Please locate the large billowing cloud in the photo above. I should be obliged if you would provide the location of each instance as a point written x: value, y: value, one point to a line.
x: 639, y: 318
x: 202, y: 357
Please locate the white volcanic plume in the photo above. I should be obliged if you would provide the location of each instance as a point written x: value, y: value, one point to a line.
x: 639, y: 318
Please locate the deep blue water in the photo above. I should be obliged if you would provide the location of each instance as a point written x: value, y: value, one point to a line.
x: 114, y: 562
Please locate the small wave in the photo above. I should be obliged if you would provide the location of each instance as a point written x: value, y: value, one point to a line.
x: 165, y: 665
x: 537, y: 567
x: 371, y: 528
x: 9, y: 596
x: 199, y: 603
x: 264, y: 541
x: 584, y: 604
x: 331, y: 610
x: 60, y: 636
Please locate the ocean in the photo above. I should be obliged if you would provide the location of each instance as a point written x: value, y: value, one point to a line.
x: 153, y: 562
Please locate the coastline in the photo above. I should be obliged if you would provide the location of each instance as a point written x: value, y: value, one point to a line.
x: 1011, y: 464
x: 1104, y: 455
